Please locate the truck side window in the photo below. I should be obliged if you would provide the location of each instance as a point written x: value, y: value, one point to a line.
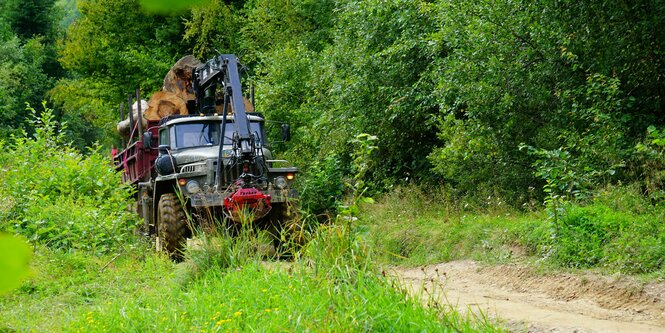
x: 258, y: 131
x: 172, y: 137
x: 164, y: 137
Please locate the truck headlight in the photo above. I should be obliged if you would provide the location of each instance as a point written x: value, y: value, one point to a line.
x: 193, y: 187
x: 280, y: 183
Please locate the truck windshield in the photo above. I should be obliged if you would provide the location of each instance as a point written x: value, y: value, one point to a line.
x: 195, y: 134
x: 207, y: 134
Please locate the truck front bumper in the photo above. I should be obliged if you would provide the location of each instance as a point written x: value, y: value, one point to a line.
x: 213, y: 199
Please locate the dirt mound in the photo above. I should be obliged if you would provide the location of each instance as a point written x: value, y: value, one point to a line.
x: 537, y: 302
x: 610, y: 293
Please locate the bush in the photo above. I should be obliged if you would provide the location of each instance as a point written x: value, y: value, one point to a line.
x: 651, y: 159
x: 619, y: 229
x: 60, y: 197
x: 322, y: 189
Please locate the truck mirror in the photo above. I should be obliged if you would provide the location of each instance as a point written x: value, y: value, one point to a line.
x: 164, y: 149
x: 147, y: 140
x: 286, y: 132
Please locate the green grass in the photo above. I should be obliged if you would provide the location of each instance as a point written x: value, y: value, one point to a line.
x: 410, y: 227
x: 62, y: 284
x: 333, y: 286
x: 617, y: 231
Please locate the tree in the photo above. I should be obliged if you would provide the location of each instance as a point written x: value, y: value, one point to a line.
x: 22, y: 81
x: 364, y: 73
x: 27, y: 58
x: 30, y: 18
x: 112, y: 48
x: 582, y: 77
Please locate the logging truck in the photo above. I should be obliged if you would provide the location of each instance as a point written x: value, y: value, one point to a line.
x: 207, y: 161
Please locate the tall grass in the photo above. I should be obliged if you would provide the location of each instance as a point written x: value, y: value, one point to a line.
x: 334, y: 288
x: 618, y: 230
x: 63, y: 284
x: 413, y: 226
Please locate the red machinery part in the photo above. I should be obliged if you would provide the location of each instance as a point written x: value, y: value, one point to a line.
x: 247, y: 200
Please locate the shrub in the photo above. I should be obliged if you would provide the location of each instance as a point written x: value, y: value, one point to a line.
x: 619, y: 229
x: 322, y: 189
x: 59, y: 196
x: 651, y: 157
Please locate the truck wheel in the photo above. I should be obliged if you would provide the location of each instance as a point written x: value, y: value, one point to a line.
x: 172, y: 227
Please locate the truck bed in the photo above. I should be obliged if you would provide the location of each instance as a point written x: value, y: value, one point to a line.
x: 136, y: 161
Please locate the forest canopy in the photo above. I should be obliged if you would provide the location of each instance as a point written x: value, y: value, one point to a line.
x: 517, y: 99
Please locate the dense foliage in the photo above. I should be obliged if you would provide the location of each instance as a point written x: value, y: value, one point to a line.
x: 28, y: 64
x: 489, y: 98
x: 53, y: 194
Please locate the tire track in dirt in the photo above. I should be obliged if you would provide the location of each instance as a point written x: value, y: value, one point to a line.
x: 530, y: 302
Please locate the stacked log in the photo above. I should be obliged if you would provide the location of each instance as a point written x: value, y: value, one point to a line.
x: 248, y: 106
x: 123, y: 126
x: 171, y: 100
x: 163, y: 104
x: 176, y: 91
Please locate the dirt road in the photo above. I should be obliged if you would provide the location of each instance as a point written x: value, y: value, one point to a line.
x: 526, y: 301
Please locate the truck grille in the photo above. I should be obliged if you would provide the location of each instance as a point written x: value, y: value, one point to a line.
x: 199, y: 167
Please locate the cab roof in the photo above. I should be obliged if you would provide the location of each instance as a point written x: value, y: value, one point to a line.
x: 182, y: 119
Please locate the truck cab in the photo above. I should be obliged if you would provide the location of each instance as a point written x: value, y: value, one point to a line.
x: 189, y: 150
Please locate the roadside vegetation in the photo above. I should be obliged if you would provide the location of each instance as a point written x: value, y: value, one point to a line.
x: 142, y: 291
x: 616, y: 231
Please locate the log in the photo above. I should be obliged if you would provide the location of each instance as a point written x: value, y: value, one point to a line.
x: 176, y: 91
x: 179, y: 79
x: 123, y: 126
x: 248, y: 106
x: 163, y: 104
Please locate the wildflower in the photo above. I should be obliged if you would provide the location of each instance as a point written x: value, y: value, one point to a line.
x: 222, y: 321
x: 237, y: 314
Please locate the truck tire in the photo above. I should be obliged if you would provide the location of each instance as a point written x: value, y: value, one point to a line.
x: 172, y: 227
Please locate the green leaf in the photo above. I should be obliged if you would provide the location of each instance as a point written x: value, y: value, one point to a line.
x: 15, y: 257
x: 367, y: 200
